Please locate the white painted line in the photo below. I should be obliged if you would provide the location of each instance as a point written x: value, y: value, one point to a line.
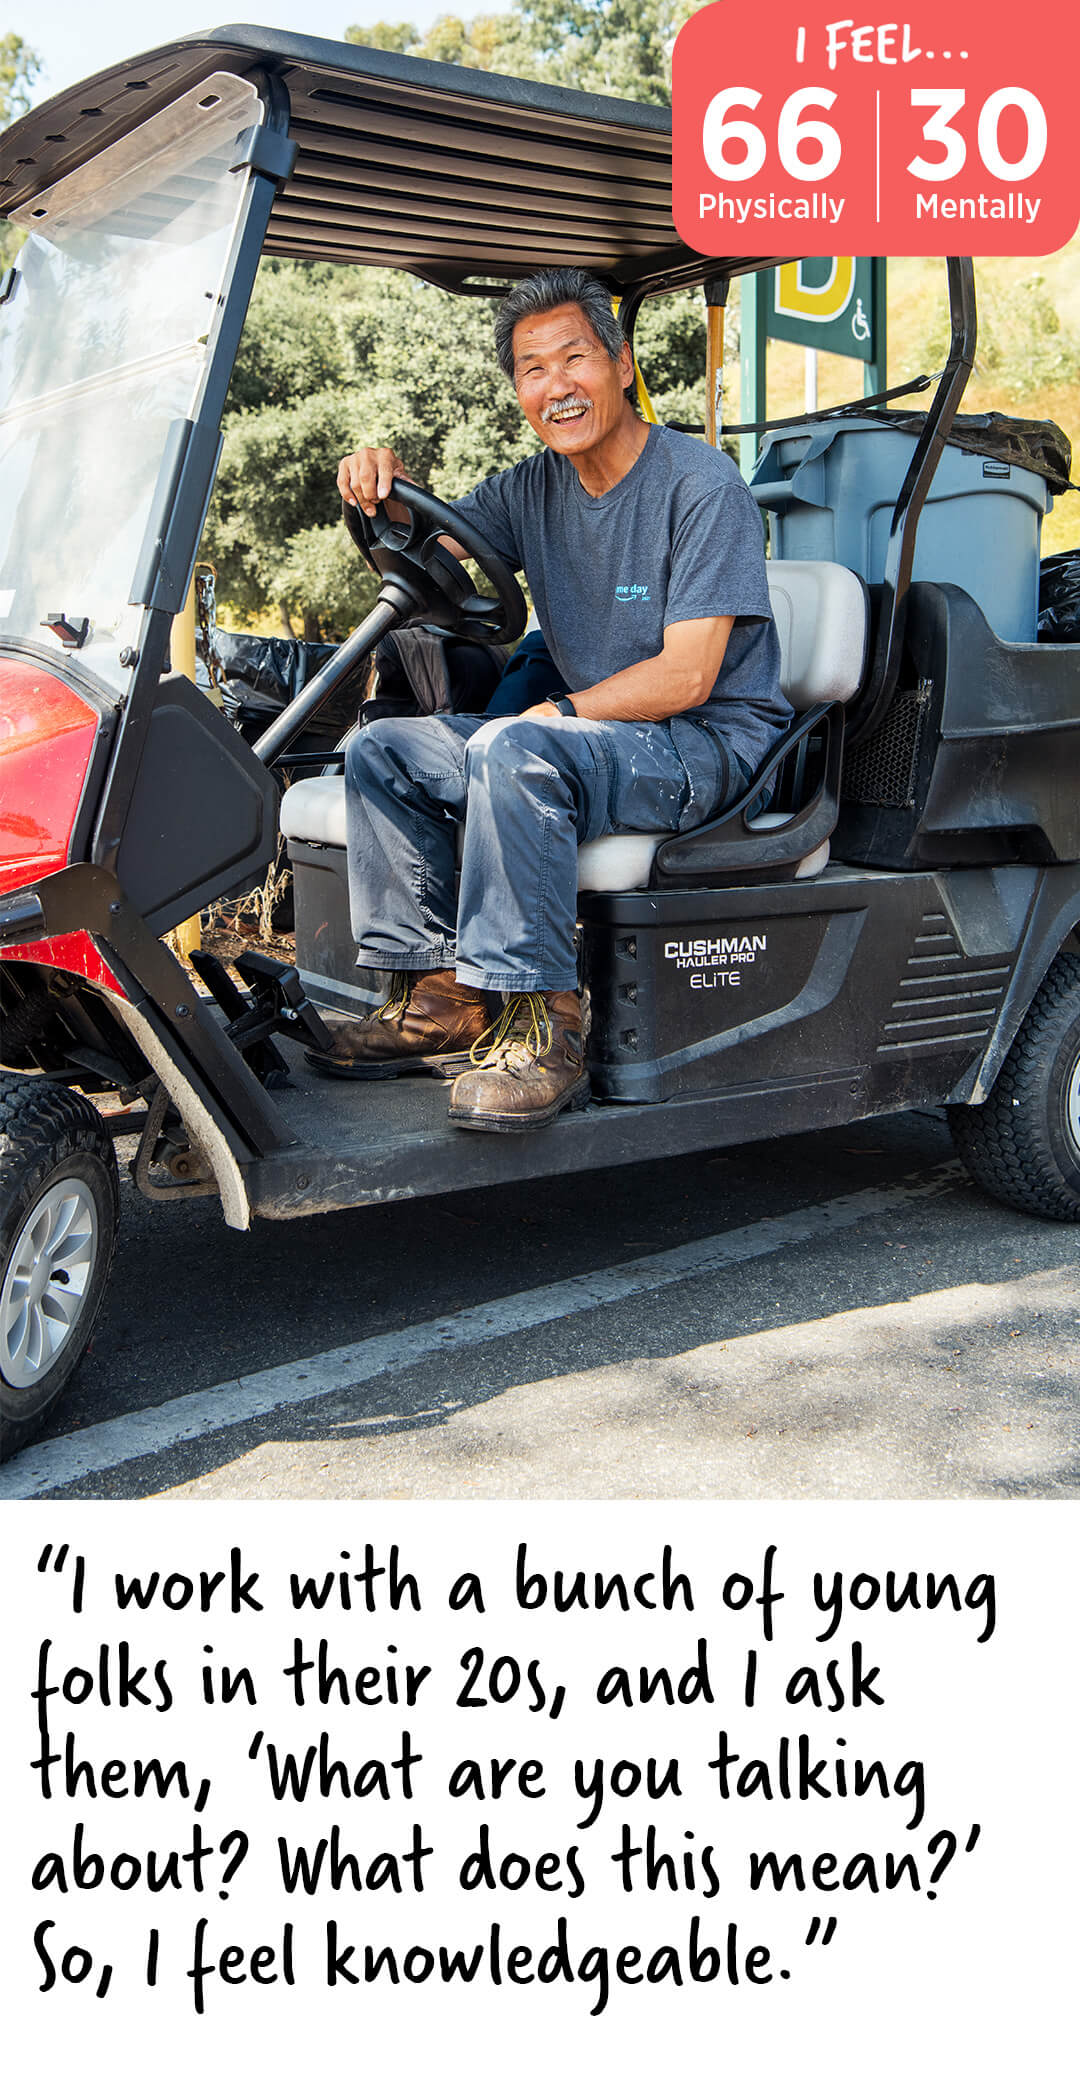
x: 54, y: 1464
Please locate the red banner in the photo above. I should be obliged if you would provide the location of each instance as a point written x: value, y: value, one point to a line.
x: 797, y: 132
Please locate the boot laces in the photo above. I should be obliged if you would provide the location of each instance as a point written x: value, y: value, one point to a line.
x: 397, y: 1001
x: 520, y: 1037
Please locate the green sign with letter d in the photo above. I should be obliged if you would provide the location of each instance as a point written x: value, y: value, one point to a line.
x: 827, y: 303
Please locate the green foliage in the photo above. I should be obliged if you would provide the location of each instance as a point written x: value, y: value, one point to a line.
x: 430, y: 369
x: 304, y: 333
x: 605, y: 46
x: 1023, y: 344
x: 384, y: 35
x: 484, y: 43
x: 323, y: 571
x: 669, y: 341
x: 276, y: 484
x: 19, y: 67
x: 618, y: 47
x: 331, y: 359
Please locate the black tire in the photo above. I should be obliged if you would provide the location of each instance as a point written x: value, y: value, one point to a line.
x: 59, y: 1209
x: 22, y: 1024
x: 1023, y: 1144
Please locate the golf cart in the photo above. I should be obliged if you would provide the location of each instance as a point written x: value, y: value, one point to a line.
x: 901, y: 926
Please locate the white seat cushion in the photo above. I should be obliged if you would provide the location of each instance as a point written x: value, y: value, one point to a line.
x: 821, y: 613
x: 313, y: 810
x: 822, y: 616
x: 615, y: 864
x: 620, y: 864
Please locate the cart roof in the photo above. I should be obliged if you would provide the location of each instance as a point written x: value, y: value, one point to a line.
x: 452, y: 174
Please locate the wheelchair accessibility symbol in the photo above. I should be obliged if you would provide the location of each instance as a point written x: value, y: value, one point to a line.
x: 860, y: 327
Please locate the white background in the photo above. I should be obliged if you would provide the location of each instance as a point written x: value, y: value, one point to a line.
x: 980, y: 1976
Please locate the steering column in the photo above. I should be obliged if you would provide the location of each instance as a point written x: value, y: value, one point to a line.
x: 420, y: 580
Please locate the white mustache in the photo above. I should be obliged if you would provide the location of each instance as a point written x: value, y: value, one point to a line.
x: 564, y: 403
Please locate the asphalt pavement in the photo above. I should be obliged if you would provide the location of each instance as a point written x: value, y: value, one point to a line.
x: 841, y: 1315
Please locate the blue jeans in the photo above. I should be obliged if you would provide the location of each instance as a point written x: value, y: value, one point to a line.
x: 528, y: 792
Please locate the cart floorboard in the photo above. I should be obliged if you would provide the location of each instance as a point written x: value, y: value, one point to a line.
x: 381, y: 1141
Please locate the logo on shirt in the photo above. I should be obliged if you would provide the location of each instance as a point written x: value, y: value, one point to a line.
x: 631, y: 594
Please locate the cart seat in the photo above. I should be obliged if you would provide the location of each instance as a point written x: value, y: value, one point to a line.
x: 313, y: 811
x: 822, y: 614
x: 822, y: 620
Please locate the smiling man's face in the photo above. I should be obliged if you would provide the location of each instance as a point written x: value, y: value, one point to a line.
x: 571, y: 391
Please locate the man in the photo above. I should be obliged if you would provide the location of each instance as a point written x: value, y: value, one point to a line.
x: 643, y: 551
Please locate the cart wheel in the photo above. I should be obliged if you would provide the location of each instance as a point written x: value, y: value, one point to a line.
x: 1023, y: 1144
x: 59, y: 1204
x: 20, y: 1024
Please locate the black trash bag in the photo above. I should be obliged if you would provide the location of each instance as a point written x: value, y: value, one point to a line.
x: 264, y: 673
x: 416, y: 670
x: 1036, y: 444
x: 1059, y: 597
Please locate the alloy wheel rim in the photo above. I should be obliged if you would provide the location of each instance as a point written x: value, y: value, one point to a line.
x: 47, y: 1281
x: 1072, y: 1106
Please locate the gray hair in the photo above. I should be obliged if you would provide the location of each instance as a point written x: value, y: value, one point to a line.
x: 548, y: 291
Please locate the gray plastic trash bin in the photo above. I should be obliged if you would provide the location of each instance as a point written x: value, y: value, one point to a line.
x: 829, y: 490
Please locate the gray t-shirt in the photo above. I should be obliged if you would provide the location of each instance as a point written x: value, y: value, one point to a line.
x: 679, y: 538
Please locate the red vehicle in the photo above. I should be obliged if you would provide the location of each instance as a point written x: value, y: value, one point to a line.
x: 901, y: 928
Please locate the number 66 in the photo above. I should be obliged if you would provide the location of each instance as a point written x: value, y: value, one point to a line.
x: 792, y: 135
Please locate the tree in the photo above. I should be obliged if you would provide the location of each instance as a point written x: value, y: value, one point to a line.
x: 331, y: 358
x: 484, y: 43
x: 19, y: 67
x: 385, y: 36
x: 620, y: 47
x: 669, y: 340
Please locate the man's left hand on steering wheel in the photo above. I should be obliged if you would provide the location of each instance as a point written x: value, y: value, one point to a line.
x: 364, y: 478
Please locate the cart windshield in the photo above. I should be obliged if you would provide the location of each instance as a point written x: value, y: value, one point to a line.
x: 104, y: 341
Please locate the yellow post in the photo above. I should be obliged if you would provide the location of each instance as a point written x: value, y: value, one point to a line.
x: 716, y: 294
x: 643, y: 397
x: 187, y: 936
x: 642, y: 394
x: 714, y: 369
x: 182, y: 644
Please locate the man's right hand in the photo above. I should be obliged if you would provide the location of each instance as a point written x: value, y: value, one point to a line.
x: 364, y: 478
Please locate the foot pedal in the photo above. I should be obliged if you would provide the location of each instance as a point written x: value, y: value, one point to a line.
x: 274, y: 1005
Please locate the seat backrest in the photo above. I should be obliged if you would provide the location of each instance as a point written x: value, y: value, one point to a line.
x: 822, y: 614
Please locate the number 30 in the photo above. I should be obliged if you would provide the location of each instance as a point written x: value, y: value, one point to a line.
x: 947, y: 102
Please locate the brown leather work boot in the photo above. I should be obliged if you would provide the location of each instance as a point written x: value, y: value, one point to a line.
x: 527, y: 1067
x: 429, y: 1022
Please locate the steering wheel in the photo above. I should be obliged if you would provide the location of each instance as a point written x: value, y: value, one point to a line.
x: 420, y: 577
x: 420, y: 580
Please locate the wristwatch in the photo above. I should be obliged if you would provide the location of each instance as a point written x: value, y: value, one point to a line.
x: 566, y: 705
